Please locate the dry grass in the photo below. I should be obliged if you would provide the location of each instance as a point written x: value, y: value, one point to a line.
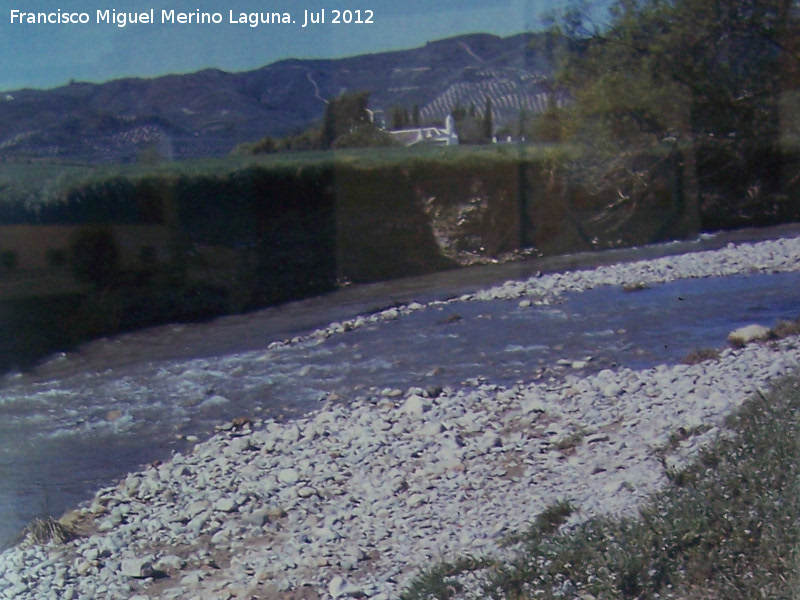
x: 784, y: 329
x: 695, y: 357
x: 44, y: 530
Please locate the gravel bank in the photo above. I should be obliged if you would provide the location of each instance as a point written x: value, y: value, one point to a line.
x: 353, y: 499
x: 772, y: 256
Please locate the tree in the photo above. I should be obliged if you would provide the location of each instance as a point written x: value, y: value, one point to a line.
x: 708, y: 75
x: 399, y: 117
x: 692, y: 67
x: 366, y: 135
x: 416, y: 116
x: 547, y: 126
x: 459, y: 112
x: 488, y: 121
x: 342, y: 115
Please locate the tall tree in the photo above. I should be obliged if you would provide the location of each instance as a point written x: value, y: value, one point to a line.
x: 459, y: 112
x: 399, y: 117
x: 342, y: 115
x: 488, y: 120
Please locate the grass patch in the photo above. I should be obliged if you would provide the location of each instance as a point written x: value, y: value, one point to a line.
x: 784, y: 329
x: 44, y: 530
x: 726, y: 529
x: 695, y: 357
x: 441, y: 581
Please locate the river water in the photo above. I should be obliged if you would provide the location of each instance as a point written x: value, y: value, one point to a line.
x: 83, y: 420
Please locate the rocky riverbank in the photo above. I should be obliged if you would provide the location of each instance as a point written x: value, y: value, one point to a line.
x: 353, y: 499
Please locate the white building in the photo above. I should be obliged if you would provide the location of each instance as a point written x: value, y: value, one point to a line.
x: 434, y: 136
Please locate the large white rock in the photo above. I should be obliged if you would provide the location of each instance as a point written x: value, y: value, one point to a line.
x: 415, y: 405
x: 747, y: 334
x: 337, y: 587
x: 138, y: 568
x: 288, y: 476
x: 225, y: 505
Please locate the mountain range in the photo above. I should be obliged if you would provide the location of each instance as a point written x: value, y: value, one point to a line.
x: 209, y: 112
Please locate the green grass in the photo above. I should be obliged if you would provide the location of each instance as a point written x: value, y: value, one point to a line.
x: 725, y: 529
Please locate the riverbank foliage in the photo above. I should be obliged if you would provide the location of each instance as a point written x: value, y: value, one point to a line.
x: 726, y: 528
x: 720, y: 79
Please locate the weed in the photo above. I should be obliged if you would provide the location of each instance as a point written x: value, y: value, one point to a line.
x: 695, y: 357
x: 784, y: 329
x: 441, y: 581
x: 570, y: 441
x: 553, y: 517
x: 43, y: 530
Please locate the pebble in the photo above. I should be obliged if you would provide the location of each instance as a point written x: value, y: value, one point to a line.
x: 288, y: 476
x: 351, y: 501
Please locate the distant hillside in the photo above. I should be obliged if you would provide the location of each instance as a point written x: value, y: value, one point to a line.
x: 209, y: 112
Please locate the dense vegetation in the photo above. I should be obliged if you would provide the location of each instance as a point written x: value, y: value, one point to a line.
x: 347, y: 123
x: 717, y: 78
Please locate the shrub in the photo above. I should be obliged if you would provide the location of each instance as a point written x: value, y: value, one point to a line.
x: 364, y: 136
x: 701, y: 355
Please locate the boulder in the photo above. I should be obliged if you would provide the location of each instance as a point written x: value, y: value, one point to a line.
x: 415, y: 406
x: 288, y: 476
x: 138, y: 568
x: 747, y: 334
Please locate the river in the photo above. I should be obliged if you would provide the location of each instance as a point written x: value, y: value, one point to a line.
x: 84, y: 419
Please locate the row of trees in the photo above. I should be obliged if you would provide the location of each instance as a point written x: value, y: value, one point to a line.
x: 347, y: 123
x: 473, y: 126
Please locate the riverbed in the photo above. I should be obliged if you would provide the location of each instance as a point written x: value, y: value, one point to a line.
x: 85, y: 419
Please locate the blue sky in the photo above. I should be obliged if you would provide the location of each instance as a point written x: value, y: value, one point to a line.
x: 48, y: 55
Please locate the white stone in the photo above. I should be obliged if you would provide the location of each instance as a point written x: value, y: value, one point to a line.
x: 170, y: 562
x: 748, y: 334
x: 192, y: 578
x: 138, y: 568
x: 306, y: 492
x: 337, y: 586
x: 415, y: 500
x: 288, y: 476
x: 415, y: 405
x: 225, y: 505
x: 196, y: 507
